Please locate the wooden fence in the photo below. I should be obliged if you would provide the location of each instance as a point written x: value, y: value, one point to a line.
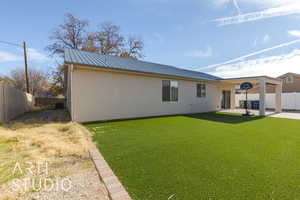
x: 13, y: 102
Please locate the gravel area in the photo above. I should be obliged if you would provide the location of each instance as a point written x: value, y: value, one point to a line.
x: 84, y: 181
x: 45, y: 116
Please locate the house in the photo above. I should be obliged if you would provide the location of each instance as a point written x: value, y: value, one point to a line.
x: 5, y: 80
x: 290, y: 84
x: 103, y: 87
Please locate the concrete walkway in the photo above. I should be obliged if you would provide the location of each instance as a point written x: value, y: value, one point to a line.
x: 288, y: 115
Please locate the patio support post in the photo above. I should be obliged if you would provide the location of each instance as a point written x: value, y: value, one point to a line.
x: 232, y: 105
x: 262, y: 97
x: 278, y: 103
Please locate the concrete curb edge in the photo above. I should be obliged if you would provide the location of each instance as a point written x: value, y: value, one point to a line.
x: 116, y: 190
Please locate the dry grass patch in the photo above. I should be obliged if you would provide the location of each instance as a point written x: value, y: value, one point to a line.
x: 42, y: 141
x: 64, y: 146
x: 7, y: 197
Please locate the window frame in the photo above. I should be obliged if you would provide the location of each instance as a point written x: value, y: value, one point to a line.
x: 201, y: 90
x: 290, y: 79
x: 173, y: 91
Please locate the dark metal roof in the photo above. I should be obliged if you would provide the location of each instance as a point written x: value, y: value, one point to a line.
x: 114, y: 62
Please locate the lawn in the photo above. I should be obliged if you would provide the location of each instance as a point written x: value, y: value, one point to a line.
x: 204, y: 156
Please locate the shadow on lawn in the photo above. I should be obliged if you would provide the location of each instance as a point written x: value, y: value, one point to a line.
x: 224, y: 117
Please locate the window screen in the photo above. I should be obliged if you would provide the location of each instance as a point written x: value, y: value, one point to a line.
x: 201, y: 90
x: 169, y: 90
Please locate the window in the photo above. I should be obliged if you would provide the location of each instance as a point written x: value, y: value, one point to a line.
x: 169, y: 90
x: 166, y: 93
x: 201, y: 90
x: 289, y: 79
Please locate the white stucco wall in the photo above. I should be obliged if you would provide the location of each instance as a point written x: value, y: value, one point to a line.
x: 100, y: 95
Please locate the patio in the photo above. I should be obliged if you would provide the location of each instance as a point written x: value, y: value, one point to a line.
x: 261, y: 82
x: 268, y: 113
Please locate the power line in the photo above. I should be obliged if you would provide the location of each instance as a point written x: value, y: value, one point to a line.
x: 10, y: 43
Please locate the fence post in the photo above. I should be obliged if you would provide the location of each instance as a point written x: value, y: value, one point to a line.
x: 2, y: 103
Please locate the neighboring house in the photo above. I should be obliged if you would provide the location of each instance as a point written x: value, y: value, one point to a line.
x: 102, y: 87
x: 6, y: 81
x: 290, y: 97
x: 290, y: 84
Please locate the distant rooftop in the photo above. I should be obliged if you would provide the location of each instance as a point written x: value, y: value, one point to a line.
x: 73, y: 56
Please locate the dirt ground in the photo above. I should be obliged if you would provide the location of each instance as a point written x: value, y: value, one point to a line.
x: 45, y: 156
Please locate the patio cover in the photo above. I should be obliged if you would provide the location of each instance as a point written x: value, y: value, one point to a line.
x: 262, y: 81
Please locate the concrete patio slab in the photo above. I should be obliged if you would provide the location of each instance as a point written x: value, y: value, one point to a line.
x: 287, y: 115
x: 242, y: 111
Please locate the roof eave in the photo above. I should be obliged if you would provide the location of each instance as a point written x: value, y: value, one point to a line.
x: 139, y: 72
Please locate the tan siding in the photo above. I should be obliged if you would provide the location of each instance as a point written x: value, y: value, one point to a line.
x: 291, y: 87
x: 99, y: 95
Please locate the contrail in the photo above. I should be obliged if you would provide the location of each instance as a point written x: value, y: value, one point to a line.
x: 283, y: 10
x: 236, y: 5
x: 249, y: 55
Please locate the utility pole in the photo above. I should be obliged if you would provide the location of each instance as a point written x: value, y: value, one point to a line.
x: 26, y: 67
x: 25, y: 60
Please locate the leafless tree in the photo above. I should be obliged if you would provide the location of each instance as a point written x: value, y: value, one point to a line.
x: 108, y: 39
x: 73, y: 33
x: 38, y: 81
x: 70, y: 34
x: 133, y: 48
x: 56, y: 78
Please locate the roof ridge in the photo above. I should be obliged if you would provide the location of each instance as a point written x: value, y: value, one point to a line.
x: 296, y: 74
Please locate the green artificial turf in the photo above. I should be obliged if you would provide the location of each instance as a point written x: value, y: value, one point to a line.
x: 204, y: 156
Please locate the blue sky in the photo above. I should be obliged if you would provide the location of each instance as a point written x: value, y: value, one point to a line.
x: 228, y: 38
